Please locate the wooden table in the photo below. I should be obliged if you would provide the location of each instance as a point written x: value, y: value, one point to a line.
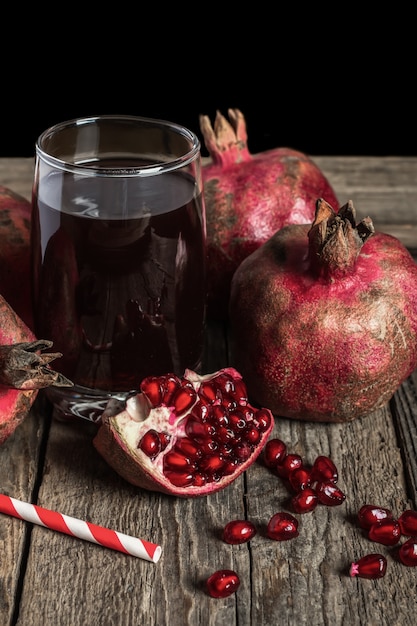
x: 51, y: 578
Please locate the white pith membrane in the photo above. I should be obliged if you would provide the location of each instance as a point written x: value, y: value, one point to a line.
x: 138, y: 417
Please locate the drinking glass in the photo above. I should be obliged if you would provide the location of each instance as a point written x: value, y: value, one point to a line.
x: 118, y: 255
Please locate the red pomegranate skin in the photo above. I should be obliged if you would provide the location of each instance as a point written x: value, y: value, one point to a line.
x: 324, y: 350
x: 248, y: 197
x: 15, y: 259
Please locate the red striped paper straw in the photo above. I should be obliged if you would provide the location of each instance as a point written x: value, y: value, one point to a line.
x: 78, y: 528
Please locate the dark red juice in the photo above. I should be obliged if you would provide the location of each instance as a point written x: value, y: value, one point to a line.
x: 119, y: 277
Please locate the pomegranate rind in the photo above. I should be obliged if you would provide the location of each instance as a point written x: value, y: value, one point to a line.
x: 117, y: 436
x: 14, y: 404
x: 313, y: 349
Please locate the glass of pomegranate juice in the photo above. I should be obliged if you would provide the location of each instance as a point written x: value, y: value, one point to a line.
x: 118, y: 245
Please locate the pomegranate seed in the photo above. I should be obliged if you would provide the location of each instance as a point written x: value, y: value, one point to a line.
x: 370, y: 566
x: 183, y: 399
x: 219, y: 415
x: 211, y: 463
x: 252, y: 435
x: 188, y: 447
x: 300, y: 478
x: 305, y: 501
x: 241, y: 392
x: 408, y: 552
x: 408, y: 522
x: 329, y: 494
x: 165, y: 438
x: 180, y: 479
x: 208, y: 390
x: 387, y: 532
x: 242, y: 451
x: 222, y: 583
x: 170, y: 384
x: 274, y: 452
x: 150, y: 444
x: 288, y: 464
x: 237, y: 421
x: 176, y: 461
x: 196, y: 430
x: 370, y: 513
x: 238, y: 531
x: 151, y: 387
x: 282, y: 527
x: 263, y: 420
x: 324, y: 470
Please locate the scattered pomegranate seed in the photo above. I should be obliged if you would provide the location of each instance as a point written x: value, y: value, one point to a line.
x: 370, y: 514
x: 408, y: 552
x: 324, y: 470
x: 282, y: 526
x: 238, y: 531
x: 300, y: 478
x: 289, y: 463
x: 329, y: 494
x: 274, y: 452
x: 408, y: 522
x: 387, y: 532
x: 370, y: 566
x: 305, y: 501
x: 222, y: 583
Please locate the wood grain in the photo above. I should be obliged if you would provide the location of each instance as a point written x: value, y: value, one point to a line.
x: 48, y: 577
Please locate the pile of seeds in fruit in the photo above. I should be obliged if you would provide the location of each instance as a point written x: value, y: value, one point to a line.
x: 312, y: 486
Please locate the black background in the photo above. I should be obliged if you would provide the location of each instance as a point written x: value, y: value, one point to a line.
x: 323, y: 87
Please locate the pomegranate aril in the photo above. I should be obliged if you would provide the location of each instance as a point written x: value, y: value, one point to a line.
x: 242, y: 451
x: 238, y: 531
x: 188, y: 447
x: 274, y: 452
x: 211, y: 464
x: 150, y: 444
x: 151, y: 387
x: 209, y: 390
x: 263, y: 420
x: 176, y: 461
x: 329, y: 494
x: 180, y: 479
x: 407, y: 552
x: 305, y: 501
x: 252, y: 435
x: 170, y: 384
x: 183, y: 399
x: 370, y: 566
x: 282, y: 527
x: 300, y: 478
x: 370, y: 514
x: 237, y: 421
x: 222, y: 583
x: 387, y: 532
x: 197, y: 430
x: 324, y: 470
x: 408, y: 522
x: 288, y: 464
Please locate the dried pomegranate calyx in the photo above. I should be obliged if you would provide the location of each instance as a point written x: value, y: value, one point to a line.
x: 335, y: 240
x: 22, y: 366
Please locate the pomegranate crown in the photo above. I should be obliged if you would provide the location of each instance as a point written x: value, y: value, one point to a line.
x: 335, y: 240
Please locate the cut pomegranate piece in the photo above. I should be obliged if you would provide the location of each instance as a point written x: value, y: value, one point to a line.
x: 324, y: 470
x: 387, y: 532
x: 329, y: 494
x: 370, y: 514
x: 187, y: 436
x: 305, y: 501
x: 408, y: 552
x: 369, y: 566
x: 274, y: 453
x: 408, y: 522
x: 282, y: 527
x: 222, y: 583
x: 239, y: 531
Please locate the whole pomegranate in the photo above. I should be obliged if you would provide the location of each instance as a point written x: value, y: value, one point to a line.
x: 23, y: 370
x: 324, y: 318
x: 186, y: 436
x: 15, y: 260
x: 248, y: 197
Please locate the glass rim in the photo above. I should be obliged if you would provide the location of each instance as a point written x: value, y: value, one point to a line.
x: 146, y: 170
